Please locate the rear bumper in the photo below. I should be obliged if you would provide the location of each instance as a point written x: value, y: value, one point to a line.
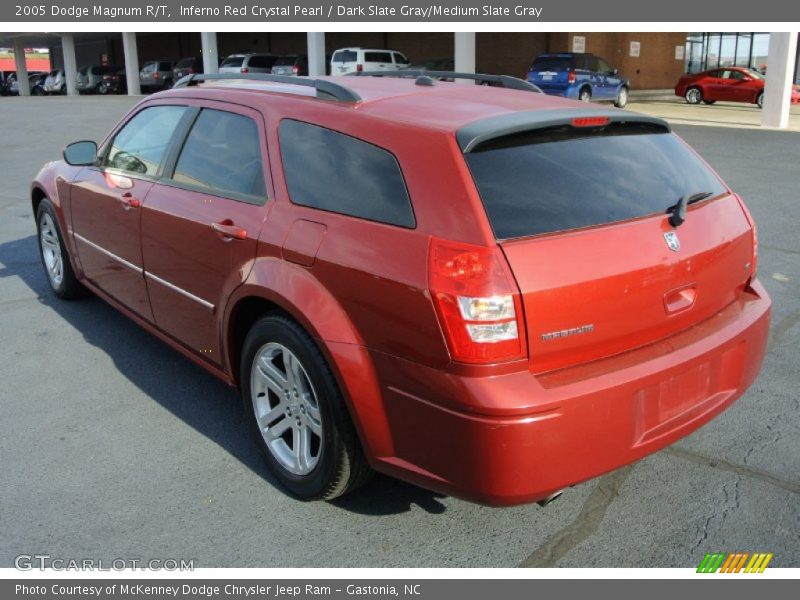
x: 519, y: 437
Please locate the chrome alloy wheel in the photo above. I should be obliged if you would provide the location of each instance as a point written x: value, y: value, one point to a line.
x: 286, y: 408
x: 51, y: 250
x: 693, y: 96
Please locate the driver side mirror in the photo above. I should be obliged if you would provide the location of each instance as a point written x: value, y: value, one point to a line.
x: 81, y: 154
x: 615, y: 72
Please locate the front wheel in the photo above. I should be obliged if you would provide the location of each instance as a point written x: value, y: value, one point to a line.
x: 760, y: 100
x: 296, y: 412
x: 622, y: 98
x: 53, y: 253
x: 694, y: 95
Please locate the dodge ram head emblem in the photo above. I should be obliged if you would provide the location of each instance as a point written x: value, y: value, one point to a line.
x: 673, y: 243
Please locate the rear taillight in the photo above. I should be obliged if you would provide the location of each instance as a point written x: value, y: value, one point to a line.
x: 477, y: 302
x: 359, y: 68
x: 245, y: 70
x: 571, y: 77
x: 295, y: 69
x: 753, y: 233
x: 156, y: 75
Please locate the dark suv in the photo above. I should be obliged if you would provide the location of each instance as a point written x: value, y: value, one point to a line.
x: 581, y: 76
x: 486, y: 291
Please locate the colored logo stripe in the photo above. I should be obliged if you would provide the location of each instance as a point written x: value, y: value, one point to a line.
x: 734, y: 562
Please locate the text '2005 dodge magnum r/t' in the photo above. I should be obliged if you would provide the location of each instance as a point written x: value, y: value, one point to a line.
x: 480, y: 289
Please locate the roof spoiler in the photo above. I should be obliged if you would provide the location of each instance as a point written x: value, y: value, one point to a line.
x: 326, y: 89
x: 472, y: 135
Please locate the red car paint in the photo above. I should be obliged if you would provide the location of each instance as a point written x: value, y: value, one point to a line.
x: 678, y: 336
x: 729, y: 84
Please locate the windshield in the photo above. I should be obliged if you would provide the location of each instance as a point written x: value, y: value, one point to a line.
x: 564, y: 178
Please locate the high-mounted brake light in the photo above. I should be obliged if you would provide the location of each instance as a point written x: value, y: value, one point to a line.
x: 477, y: 302
x: 590, y: 122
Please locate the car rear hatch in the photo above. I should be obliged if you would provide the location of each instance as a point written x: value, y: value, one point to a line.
x: 551, y: 72
x: 579, y: 209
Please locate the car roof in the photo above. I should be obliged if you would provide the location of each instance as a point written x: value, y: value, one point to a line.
x: 444, y: 106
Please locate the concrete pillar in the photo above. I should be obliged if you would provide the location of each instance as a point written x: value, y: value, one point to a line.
x: 465, y: 53
x: 22, y: 68
x: 780, y: 77
x: 70, y: 64
x: 316, y: 53
x: 131, y: 52
x: 209, y: 52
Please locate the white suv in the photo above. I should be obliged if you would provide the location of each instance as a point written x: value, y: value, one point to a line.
x: 348, y: 60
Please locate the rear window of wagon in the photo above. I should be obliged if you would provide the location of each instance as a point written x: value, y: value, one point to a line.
x: 560, y: 179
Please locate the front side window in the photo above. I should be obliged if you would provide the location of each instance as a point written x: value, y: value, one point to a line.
x: 223, y: 153
x: 338, y: 173
x: 603, y: 66
x: 140, y: 145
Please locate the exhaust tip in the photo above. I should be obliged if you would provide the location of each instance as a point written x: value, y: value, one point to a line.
x: 551, y: 498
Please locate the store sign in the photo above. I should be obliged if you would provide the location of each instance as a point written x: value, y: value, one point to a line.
x: 679, y: 52
x: 636, y: 48
x: 578, y: 43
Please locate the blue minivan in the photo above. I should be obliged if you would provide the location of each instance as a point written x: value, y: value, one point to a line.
x: 581, y: 76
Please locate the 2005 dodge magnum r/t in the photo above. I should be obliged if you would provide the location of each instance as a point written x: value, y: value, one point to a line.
x: 480, y: 289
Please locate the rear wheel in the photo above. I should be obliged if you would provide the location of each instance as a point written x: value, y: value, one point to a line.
x: 622, y: 98
x: 55, y: 258
x: 760, y: 100
x: 693, y: 95
x: 585, y: 95
x: 296, y: 412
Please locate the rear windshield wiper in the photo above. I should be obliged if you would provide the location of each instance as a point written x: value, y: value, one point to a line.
x: 677, y: 212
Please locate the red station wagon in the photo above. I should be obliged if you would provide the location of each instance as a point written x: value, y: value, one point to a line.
x: 482, y: 290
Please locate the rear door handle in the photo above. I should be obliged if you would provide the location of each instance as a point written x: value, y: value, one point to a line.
x: 128, y: 201
x: 229, y: 231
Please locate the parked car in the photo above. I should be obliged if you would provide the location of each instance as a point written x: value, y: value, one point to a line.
x: 248, y: 63
x: 187, y: 66
x: 5, y: 82
x: 55, y: 83
x: 36, y: 81
x: 291, y: 64
x: 581, y: 76
x: 491, y: 293
x: 349, y: 60
x: 731, y: 84
x: 91, y: 76
x: 114, y: 83
x: 156, y: 75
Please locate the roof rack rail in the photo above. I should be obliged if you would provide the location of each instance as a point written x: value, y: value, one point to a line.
x: 424, y: 78
x: 326, y: 90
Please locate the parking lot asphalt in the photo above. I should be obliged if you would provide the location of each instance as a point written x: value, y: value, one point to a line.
x: 114, y: 446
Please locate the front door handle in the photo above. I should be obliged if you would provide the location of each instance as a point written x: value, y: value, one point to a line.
x: 128, y: 201
x: 229, y: 231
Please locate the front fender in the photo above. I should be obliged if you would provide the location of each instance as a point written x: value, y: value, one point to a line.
x: 53, y: 182
x: 295, y: 290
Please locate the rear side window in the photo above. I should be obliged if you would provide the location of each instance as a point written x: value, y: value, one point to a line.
x: 344, y: 56
x: 222, y: 153
x: 140, y: 145
x: 546, y: 181
x: 379, y: 57
x: 339, y: 173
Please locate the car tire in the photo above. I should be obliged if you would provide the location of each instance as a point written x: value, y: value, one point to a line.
x: 290, y: 396
x: 622, y: 98
x: 693, y: 95
x: 709, y: 102
x: 54, y: 255
x: 760, y: 100
x: 585, y: 95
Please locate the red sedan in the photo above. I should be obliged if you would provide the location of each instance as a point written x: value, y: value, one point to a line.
x: 732, y: 84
